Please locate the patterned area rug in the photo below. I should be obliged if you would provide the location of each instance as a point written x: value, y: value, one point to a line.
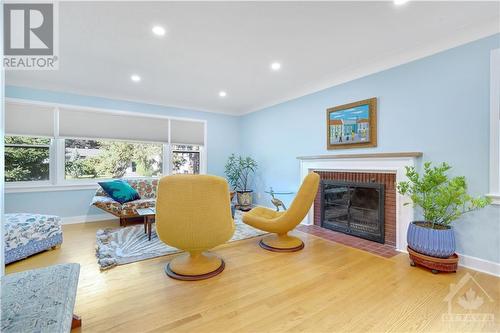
x: 125, y: 245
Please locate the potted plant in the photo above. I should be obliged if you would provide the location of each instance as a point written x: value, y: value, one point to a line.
x: 442, y: 201
x: 239, y: 171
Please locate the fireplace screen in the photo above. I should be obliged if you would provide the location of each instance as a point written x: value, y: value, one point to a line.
x: 354, y: 208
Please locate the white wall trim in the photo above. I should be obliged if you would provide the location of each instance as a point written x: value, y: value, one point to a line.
x: 50, y: 188
x: 87, y: 218
x: 480, y: 265
x: 404, y: 213
x: 495, y: 126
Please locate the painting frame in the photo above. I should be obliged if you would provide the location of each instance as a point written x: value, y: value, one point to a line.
x: 370, y: 141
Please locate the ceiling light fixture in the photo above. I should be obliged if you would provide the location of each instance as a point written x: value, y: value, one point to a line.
x: 400, y: 2
x: 222, y: 93
x: 275, y: 66
x: 135, y: 78
x: 158, y: 30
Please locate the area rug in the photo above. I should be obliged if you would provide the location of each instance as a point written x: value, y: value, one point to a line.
x: 126, y: 245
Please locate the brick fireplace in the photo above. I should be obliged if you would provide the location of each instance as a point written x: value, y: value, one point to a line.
x: 388, y: 180
x: 381, y: 168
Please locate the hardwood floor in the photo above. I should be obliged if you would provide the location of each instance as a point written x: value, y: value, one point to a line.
x: 327, y: 287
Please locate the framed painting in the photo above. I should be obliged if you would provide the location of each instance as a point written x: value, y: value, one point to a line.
x: 352, y: 125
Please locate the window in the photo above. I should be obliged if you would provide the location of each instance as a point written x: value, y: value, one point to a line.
x: 87, y: 159
x: 27, y: 159
x: 55, y: 147
x: 185, y: 159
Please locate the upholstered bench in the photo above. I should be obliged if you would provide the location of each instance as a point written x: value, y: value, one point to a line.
x: 27, y: 234
x: 146, y: 189
x: 40, y: 300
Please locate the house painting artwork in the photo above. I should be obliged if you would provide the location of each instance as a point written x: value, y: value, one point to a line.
x: 352, y: 125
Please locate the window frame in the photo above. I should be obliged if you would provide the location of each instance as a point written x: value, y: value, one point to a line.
x: 57, y: 180
x: 200, y: 151
x: 28, y: 183
x: 75, y: 182
x: 494, y: 191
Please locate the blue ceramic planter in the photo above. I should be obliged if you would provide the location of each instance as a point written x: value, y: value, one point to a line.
x: 438, y: 243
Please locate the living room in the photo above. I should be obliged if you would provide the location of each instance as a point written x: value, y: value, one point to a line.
x: 251, y: 166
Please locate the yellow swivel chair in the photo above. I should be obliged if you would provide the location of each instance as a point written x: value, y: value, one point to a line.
x: 193, y: 214
x: 280, y: 223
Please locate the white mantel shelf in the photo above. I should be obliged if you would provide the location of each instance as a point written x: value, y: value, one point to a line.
x: 414, y: 154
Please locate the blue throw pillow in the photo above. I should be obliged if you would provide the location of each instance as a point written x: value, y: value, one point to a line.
x: 120, y: 191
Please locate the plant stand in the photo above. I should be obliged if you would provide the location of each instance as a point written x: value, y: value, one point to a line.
x: 436, y: 265
x: 243, y: 208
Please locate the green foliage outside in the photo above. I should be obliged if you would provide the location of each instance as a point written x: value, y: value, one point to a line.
x: 239, y: 171
x: 29, y: 161
x: 442, y: 200
x: 114, y: 159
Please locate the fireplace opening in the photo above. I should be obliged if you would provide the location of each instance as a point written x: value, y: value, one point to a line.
x: 353, y: 208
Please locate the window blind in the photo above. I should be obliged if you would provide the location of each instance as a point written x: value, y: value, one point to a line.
x: 102, y: 125
x: 188, y: 132
x: 29, y: 119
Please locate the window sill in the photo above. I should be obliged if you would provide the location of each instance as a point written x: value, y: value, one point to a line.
x: 48, y: 188
x: 495, y: 197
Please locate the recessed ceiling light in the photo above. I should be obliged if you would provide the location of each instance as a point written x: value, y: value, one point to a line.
x: 159, y: 30
x: 400, y: 2
x: 135, y: 78
x: 222, y: 93
x: 275, y: 66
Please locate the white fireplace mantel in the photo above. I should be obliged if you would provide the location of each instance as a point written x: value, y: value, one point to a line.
x: 380, y: 163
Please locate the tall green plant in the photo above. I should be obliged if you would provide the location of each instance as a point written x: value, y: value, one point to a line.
x: 443, y: 200
x: 239, y: 171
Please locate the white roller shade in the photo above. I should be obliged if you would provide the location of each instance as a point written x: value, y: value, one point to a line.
x: 28, y: 119
x: 102, y: 125
x: 189, y: 132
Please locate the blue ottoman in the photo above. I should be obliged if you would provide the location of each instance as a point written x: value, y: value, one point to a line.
x: 27, y: 234
x: 39, y: 300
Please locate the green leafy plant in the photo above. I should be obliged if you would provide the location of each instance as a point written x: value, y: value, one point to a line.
x: 443, y: 200
x: 239, y: 171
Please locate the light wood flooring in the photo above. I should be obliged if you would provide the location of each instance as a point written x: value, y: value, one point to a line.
x: 327, y: 287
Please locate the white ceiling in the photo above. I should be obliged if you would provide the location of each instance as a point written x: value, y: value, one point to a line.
x: 213, y: 46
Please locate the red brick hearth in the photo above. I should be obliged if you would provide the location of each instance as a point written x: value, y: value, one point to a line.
x: 383, y: 250
x: 389, y: 181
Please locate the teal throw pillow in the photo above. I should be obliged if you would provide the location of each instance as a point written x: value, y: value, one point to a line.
x: 120, y: 191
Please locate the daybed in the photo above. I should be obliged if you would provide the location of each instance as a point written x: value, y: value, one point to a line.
x: 146, y: 189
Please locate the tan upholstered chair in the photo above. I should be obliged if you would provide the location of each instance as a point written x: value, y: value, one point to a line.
x: 280, y: 223
x: 193, y: 214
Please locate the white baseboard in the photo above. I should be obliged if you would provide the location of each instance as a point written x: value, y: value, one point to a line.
x: 87, y: 218
x: 479, y: 264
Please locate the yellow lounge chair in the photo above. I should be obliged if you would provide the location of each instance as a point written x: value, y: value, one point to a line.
x: 280, y: 223
x: 193, y: 214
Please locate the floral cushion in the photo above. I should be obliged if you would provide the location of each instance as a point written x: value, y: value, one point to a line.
x: 108, y: 204
x: 129, y: 208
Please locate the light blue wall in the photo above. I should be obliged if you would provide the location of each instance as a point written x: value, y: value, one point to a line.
x: 438, y: 105
x: 223, y: 139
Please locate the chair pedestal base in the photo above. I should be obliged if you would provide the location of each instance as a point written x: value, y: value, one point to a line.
x: 281, y: 243
x: 195, y: 266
